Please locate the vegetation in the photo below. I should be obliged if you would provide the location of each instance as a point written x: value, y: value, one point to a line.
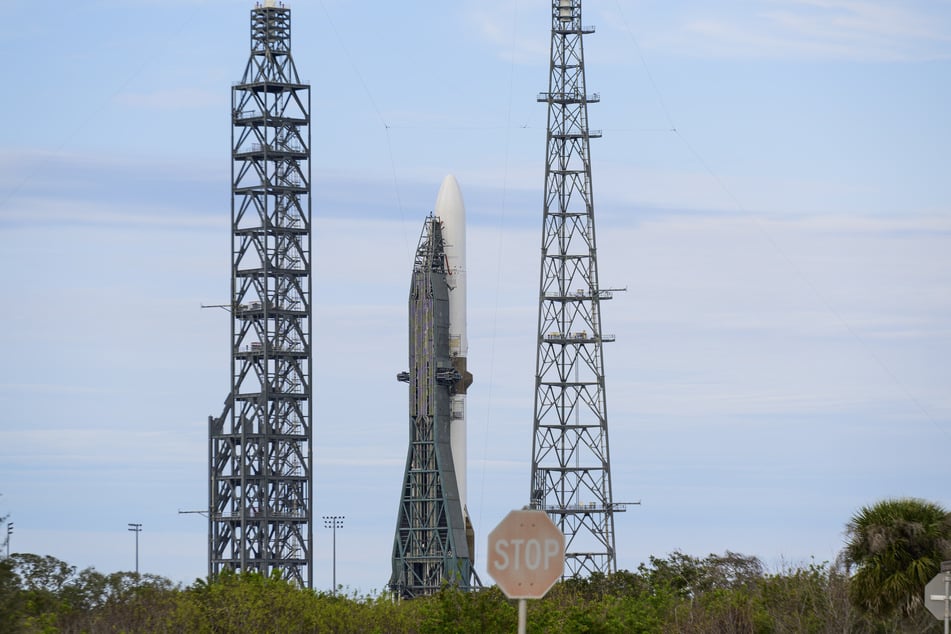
x: 677, y: 594
x: 896, y: 546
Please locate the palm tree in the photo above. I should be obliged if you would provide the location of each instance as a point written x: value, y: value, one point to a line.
x: 896, y: 546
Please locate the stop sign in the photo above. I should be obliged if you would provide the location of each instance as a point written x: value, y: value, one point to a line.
x: 935, y: 599
x: 526, y: 554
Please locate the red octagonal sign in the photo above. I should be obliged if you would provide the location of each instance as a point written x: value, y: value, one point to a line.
x: 526, y: 554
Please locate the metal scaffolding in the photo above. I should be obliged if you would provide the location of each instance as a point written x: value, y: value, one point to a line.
x: 261, y: 447
x: 571, y: 466
x: 431, y: 546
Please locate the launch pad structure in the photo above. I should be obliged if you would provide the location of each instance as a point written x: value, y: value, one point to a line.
x: 260, y: 451
x: 434, y: 542
x: 571, y: 465
x: 261, y: 446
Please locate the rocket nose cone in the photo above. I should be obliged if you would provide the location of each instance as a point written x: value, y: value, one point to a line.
x: 449, y: 197
x: 449, y: 181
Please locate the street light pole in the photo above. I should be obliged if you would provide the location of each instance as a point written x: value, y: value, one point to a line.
x: 334, y: 522
x: 136, y: 528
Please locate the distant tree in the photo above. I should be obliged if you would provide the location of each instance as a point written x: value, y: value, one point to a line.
x: 896, y: 547
x: 808, y: 598
x: 691, y: 576
x: 10, y: 600
x: 47, y: 594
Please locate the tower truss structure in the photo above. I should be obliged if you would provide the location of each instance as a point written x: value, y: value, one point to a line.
x: 261, y: 447
x: 431, y: 546
x: 571, y: 466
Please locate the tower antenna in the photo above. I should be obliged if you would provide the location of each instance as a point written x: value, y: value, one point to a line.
x: 571, y: 465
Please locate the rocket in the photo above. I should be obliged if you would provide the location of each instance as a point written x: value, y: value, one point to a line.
x: 434, y: 542
x: 451, y: 211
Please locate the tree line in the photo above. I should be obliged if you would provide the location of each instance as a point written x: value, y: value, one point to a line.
x: 893, y: 549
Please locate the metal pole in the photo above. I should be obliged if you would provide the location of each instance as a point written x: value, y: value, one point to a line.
x: 947, y: 600
x: 334, y: 522
x: 522, y: 615
x: 136, y: 528
x: 9, y: 538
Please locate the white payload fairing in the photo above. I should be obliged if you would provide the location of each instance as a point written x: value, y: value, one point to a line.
x: 451, y: 211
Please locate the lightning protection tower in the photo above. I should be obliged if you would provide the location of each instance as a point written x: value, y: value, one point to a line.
x: 261, y: 447
x: 571, y: 467
x: 431, y: 546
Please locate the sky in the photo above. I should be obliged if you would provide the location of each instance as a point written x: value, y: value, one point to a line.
x: 772, y: 189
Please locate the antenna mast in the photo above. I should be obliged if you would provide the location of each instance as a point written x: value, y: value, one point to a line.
x: 571, y: 466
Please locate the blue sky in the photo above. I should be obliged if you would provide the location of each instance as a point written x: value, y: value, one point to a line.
x: 772, y: 189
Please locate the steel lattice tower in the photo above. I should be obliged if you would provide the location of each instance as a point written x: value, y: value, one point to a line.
x: 571, y: 467
x: 431, y: 546
x: 261, y: 447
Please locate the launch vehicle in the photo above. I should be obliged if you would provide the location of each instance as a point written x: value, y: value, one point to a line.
x: 434, y: 542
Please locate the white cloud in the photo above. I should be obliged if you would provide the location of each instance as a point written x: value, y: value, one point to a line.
x: 95, y: 449
x: 50, y: 389
x: 805, y: 29
x: 174, y: 99
x: 516, y: 30
x: 39, y: 211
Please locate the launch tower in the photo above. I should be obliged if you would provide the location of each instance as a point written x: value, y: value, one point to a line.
x: 571, y: 466
x: 432, y: 545
x: 261, y: 447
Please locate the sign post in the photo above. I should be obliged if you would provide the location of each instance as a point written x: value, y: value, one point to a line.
x: 526, y: 557
x: 938, y: 595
